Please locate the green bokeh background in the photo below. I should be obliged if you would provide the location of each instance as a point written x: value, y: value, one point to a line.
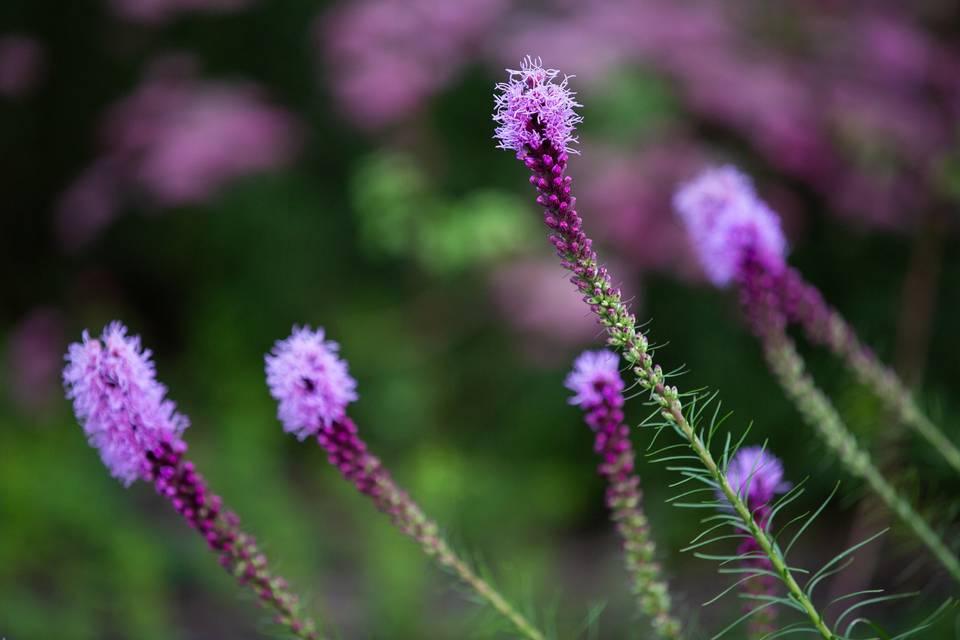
x: 389, y: 251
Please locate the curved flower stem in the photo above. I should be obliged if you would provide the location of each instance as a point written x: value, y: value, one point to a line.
x: 548, y: 167
x: 177, y: 480
x: 820, y: 413
x: 603, y: 413
x: 350, y: 455
x: 410, y: 519
x: 824, y: 325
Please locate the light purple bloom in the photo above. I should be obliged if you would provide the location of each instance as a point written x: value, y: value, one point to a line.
x: 117, y: 399
x: 756, y: 475
x: 386, y: 58
x: 310, y: 381
x: 532, y: 96
x: 726, y: 221
x: 593, y: 374
x: 176, y: 140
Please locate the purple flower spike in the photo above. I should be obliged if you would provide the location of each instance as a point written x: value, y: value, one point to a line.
x: 532, y: 107
x: 727, y: 221
x: 757, y: 476
x: 117, y: 399
x: 309, y: 381
x: 594, y: 374
x: 595, y: 379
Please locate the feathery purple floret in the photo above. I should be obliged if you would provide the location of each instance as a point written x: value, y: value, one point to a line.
x: 310, y: 382
x: 757, y: 476
x: 594, y: 373
x: 727, y: 221
x: 533, y: 107
x: 116, y: 397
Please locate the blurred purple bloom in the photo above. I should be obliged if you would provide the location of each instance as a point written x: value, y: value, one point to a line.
x: 873, y: 98
x: 535, y: 300
x: 387, y: 57
x: 161, y: 11
x: 117, y: 399
x: 533, y: 95
x: 726, y: 220
x: 757, y: 476
x: 34, y: 356
x: 21, y: 64
x: 635, y: 190
x: 595, y: 374
x: 176, y: 141
x: 310, y: 381
x: 596, y: 381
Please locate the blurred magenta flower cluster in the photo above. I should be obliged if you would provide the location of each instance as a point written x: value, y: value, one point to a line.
x: 176, y: 140
x: 855, y: 102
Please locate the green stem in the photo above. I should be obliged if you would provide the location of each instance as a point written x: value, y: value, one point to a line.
x: 819, y: 412
x: 608, y: 305
x: 888, y: 388
x: 410, y: 519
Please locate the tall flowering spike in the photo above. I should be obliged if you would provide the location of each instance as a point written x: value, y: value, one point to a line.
x: 598, y: 388
x: 313, y: 388
x: 594, y: 374
x: 548, y: 165
x: 756, y: 475
x: 126, y: 415
x: 533, y: 107
x: 727, y: 221
x: 116, y: 397
x: 310, y: 382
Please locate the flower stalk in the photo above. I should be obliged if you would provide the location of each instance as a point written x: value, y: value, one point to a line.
x: 824, y: 325
x: 125, y: 414
x: 545, y: 154
x: 819, y: 413
x: 596, y: 381
x: 313, y: 387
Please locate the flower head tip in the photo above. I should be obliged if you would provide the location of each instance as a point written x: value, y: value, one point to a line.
x: 756, y: 475
x: 533, y: 107
x: 594, y: 374
x: 309, y: 381
x: 725, y: 220
x: 116, y: 397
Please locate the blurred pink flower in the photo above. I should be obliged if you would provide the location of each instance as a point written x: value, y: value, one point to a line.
x: 34, y: 355
x: 387, y: 57
x: 21, y: 65
x: 540, y: 304
x: 628, y: 197
x: 856, y: 79
x: 176, y: 141
x: 160, y: 11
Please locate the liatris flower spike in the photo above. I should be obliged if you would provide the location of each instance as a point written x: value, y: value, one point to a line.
x: 521, y: 107
x: 727, y: 221
x: 598, y: 388
x: 126, y: 415
x: 737, y: 237
x: 313, y: 387
x: 757, y: 477
x: 770, y: 293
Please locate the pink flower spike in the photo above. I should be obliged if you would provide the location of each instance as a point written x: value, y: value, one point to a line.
x: 532, y: 107
x: 116, y: 397
x: 310, y: 382
x: 726, y: 221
